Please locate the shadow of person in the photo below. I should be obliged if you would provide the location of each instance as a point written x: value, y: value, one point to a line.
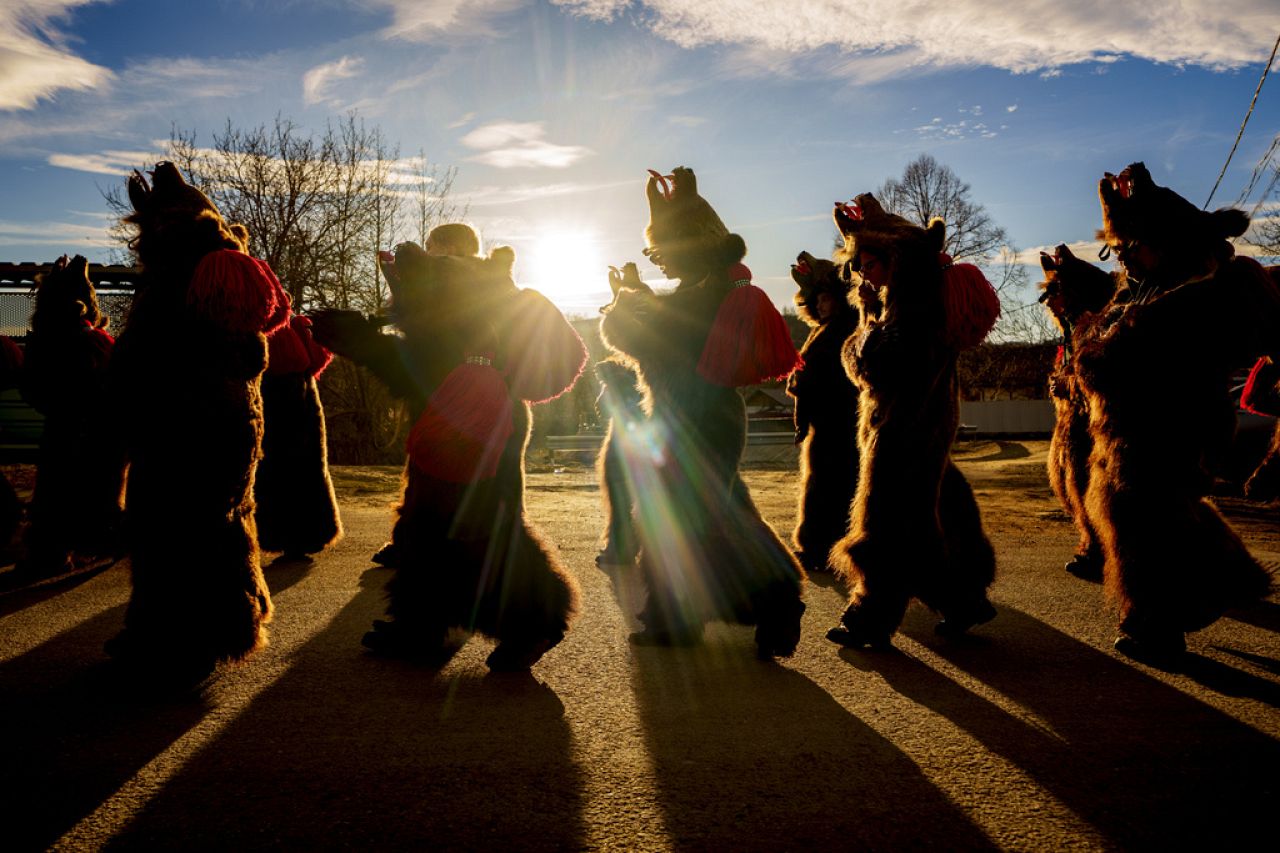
x: 1259, y: 614
x: 348, y: 750
x: 19, y: 590
x: 754, y: 756
x: 1146, y: 764
x: 73, y: 733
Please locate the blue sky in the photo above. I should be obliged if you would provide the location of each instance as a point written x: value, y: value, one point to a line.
x: 552, y: 110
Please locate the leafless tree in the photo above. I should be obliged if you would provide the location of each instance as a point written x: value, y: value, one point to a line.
x: 929, y: 189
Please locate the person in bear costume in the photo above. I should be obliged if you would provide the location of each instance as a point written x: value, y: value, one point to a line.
x: 297, y: 510
x: 1187, y: 313
x: 11, y: 358
x: 826, y: 412
x: 621, y: 402
x: 475, y: 350
x: 705, y: 551
x: 915, y: 530
x: 186, y: 375
x: 1072, y: 289
x: 75, y: 509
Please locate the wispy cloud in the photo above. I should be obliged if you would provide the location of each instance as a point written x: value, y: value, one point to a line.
x: 510, y: 145
x: 316, y: 82
x: 112, y: 163
x: 491, y: 196
x: 429, y: 20
x: 35, y: 61
x: 68, y: 235
x: 1018, y: 37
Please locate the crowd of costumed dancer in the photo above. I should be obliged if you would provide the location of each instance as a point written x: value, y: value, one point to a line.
x: 214, y: 409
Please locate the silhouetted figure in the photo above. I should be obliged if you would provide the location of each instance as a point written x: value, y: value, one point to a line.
x: 75, y: 510
x: 915, y: 530
x: 705, y: 552
x: 622, y: 402
x: 826, y: 412
x: 186, y: 374
x: 1187, y: 314
x: 474, y: 350
x: 1073, y: 289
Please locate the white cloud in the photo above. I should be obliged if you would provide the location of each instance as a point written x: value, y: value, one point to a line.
x: 1029, y: 36
x: 64, y: 234
x: 1012, y: 108
x: 509, y: 145
x: 35, y: 62
x: 506, y: 195
x: 461, y: 121
x: 107, y: 162
x: 316, y: 81
x: 428, y: 20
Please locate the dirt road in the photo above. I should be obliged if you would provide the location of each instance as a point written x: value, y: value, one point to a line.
x: 1032, y: 734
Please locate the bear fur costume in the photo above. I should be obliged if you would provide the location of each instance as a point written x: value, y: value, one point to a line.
x: 1072, y: 289
x: 76, y: 507
x: 705, y: 551
x: 468, y: 557
x: 1156, y: 370
x: 10, y: 505
x: 826, y: 412
x: 915, y: 530
x: 1264, y: 483
x: 621, y: 401
x: 297, y: 510
x: 186, y: 376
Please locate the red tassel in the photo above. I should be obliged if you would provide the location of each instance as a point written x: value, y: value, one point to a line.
x: 237, y: 293
x: 972, y: 304
x: 460, y: 436
x: 545, y: 355
x: 749, y: 341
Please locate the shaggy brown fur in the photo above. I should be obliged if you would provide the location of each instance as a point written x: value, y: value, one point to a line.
x: 915, y: 529
x: 826, y: 413
x: 620, y: 400
x: 80, y: 470
x: 1072, y: 289
x: 186, y: 375
x: 706, y: 553
x: 468, y: 557
x: 1187, y: 313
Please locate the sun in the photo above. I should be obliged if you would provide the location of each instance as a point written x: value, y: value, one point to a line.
x: 569, y: 269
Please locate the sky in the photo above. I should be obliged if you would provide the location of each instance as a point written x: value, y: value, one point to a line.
x: 552, y: 111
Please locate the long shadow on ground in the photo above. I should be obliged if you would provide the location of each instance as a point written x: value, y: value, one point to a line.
x: 1147, y: 765
x: 72, y: 735
x: 754, y: 756
x: 347, y: 750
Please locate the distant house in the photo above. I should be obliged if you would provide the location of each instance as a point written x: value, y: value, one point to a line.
x: 769, y: 409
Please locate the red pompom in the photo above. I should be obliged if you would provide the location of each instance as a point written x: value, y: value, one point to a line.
x: 237, y: 293
x: 461, y: 435
x: 749, y: 341
x: 544, y: 354
x: 286, y: 352
x: 972, y: 304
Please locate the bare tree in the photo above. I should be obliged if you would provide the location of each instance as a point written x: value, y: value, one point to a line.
x: 929, y: 189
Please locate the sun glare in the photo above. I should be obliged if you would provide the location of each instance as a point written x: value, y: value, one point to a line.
x: 568, y: 268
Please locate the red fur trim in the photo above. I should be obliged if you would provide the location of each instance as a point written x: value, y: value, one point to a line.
x: 292, y: 349
x: 749, y: 341
x: 1059, y: 356
x: 237, y: 293
x: 10, y: 354
x: 544, y: 354
x: 461, y: 435
x: 972, y: 304
x: 1259, y: 395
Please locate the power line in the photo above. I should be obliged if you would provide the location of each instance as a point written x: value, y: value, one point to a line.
x: 1257, y: 171
x: 1265, y: 72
